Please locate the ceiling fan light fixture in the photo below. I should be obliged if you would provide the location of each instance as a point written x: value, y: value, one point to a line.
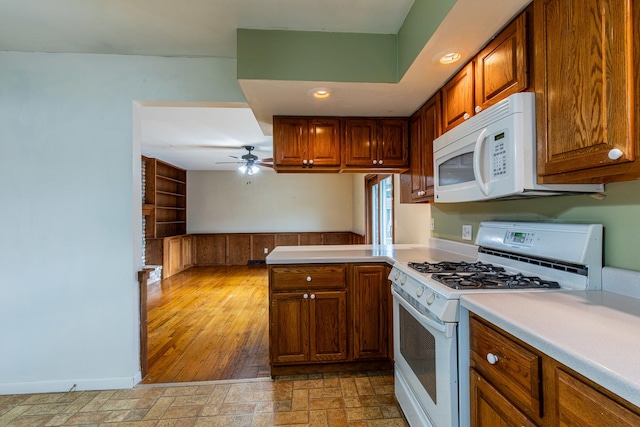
x: 249, y: 169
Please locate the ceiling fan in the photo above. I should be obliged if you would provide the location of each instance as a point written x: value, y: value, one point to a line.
x: 249, y: 162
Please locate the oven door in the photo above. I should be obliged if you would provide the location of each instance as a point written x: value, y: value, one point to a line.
x: 425, y: 352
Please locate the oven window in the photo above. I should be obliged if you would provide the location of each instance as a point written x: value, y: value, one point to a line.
x: 456, y: 170
x: 418, y: 348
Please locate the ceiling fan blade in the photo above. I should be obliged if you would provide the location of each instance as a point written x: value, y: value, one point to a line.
x: 223, y: 163
x: 268, y: 160
x: 266, y: 165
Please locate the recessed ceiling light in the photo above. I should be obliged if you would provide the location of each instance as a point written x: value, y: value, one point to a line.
x: 320, y: 93
x: 450, y: 58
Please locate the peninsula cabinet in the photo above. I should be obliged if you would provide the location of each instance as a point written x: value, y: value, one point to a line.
x: 370, y: 311
x: 328, y: 317
x: 514, y: 384
x: 306, y: 144
x: 425, y: 126
x: 376, y: 144
x: 308, y: 313
x: 587, y: 61
x: 500, y: 69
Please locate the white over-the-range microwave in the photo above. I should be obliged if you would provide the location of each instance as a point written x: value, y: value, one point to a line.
x: 493, y: 156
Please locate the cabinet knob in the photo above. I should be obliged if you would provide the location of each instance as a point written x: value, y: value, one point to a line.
x: 615, y: 154
x: 308, y: 278
x: 304, y: 162
x: 310, y: 162
x: 305, y: 296
x: 375, y: 162
x: 466, y: 116
x: 380, y: 162
x: 313, y: 296
x: 478, y: 109
x: 492, y: 358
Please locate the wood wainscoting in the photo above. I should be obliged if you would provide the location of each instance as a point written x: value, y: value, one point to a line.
x: 178, y: 253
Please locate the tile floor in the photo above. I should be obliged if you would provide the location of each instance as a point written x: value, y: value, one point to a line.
x: 354, y: 400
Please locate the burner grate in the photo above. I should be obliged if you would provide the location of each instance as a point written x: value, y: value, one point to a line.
x: 493, y: 280
x: 449, y: 267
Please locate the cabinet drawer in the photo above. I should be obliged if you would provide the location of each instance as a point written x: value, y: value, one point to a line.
x: 308, y: 277
x: 516, y: 371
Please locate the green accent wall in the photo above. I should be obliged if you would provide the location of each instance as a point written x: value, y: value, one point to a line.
x: 317, y: 56
x: 421, y: 22
x: 339, y: 57
x: 619, y: 212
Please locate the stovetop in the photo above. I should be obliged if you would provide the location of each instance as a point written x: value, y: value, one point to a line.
x: 479, y: 275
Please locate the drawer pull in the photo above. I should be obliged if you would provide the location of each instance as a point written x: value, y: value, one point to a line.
x: 492, y: 358
x: 305, y: 296
x: 313, y: 296
x: 308, y: 278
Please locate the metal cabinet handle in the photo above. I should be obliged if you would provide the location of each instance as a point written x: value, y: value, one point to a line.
x: 466, y: 116
x: 305, y: 296
x: 310, y: 162
x: 492, y: 358
x: 478, y: 108
x: 313, y: 296
x: 380, y: 162
x: 308, y: 278
x: 304, y: 162
x: 375, y: 162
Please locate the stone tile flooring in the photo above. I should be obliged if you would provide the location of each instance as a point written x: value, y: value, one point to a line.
x: 354, y: 400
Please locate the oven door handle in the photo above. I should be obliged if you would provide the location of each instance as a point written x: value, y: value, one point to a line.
x: 446, y: 328
x: 477, y: 173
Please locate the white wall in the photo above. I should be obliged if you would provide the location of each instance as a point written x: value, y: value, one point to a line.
x: 413, y: 220
x: 359, y: 214
x: 232, y: 202
x: 70, y: 211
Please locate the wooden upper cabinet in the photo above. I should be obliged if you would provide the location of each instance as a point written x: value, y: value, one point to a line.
x: 324, y: 142
x: 458, y: 98
x: 501, y: 67
x: 393, y: 143
x: 360, y: 142
x: 586, y: 78
x: 300, y: 142
x: 376, y: 143
x: 425, y: 126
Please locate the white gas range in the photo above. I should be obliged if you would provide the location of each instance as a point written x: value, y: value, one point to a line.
x: 512, y: 257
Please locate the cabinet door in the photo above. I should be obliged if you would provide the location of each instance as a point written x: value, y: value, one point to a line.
x: 290, y: 140
x: 584, y: 71
x: 393, y: 143
x: 581, y: 405
x: 289, y: 327
x: 489, y: 408
x: 501, y: 67
x: 187, y: 251
x: 458, y: 98
x: 360, y: 142
x: 324, y: 142
x: 328, y: 326
x: 172, y: 257
x: 415, y: 173
x: 370, y: 311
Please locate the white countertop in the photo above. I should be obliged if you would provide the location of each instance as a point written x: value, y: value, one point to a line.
x: 595, y: 333
x: 437, y: 250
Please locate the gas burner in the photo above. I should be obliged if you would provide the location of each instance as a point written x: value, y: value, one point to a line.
x: 493, y: 280
x: 449, y: 266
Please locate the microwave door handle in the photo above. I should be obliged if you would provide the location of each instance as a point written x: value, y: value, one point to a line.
x: 476, y: 162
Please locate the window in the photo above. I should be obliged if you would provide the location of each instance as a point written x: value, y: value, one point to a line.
x: 379, y: 205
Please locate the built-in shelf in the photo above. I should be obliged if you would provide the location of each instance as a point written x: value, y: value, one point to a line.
x: 165, y: 203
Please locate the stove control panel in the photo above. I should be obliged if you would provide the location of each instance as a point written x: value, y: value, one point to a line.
x: 519, y: 238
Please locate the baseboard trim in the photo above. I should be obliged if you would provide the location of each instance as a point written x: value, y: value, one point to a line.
x: 63, y: 386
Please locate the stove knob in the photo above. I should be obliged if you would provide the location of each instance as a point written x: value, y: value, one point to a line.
x: 431, y: 297
x: 420, y: 291
x: 395, y: 277
x: 403, y: 280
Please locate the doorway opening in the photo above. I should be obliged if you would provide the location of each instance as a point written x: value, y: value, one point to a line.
x: 379, y: 208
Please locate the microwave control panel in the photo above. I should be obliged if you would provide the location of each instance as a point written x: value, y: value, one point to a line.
x: 499, y: 154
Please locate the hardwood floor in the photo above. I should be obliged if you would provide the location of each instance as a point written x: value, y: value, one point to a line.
x: 209, y: 323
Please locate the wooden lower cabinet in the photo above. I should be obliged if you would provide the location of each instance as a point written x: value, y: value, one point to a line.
x: 177, y: 254
x: 490, y: 408
x: 370, y: 311
x: 328, y: 315
x: 525, y: 387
